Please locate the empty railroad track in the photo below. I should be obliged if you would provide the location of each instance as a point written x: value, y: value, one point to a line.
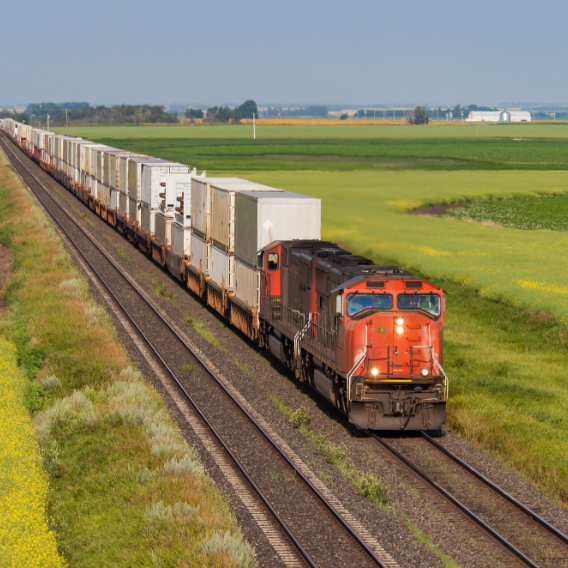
x: 504, y: 522
x: 305, y: 524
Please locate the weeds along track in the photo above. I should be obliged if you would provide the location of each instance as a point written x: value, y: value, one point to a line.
x: 314, y: 531
x: 506, y: 523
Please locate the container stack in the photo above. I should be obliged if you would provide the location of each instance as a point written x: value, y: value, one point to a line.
x: 162, y: 184
x: 122, y: 167
x: 197, y: 246
x: 135, y: 186
x: 158, y: 196
x: 262, y: 218
x: 111, y: 170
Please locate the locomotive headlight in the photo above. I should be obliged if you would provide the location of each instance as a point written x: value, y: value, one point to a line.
x: 400, y: 330
x: 400, y: 321
x: 374, y: 372
x: 424, y: 372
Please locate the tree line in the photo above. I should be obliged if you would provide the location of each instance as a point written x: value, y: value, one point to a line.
x: 83, y: 113
x: 225, y: 114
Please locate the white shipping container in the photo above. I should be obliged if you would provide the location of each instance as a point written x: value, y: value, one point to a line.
x: 123, y: 204
x: 134, y: 211
x: 178, y: 185
x: 135, y: 174
x: 247, y: 284
x: 222, y: 225
x: 103, y: 193
x: 222, y: 268
x: 262, y: 218
x: 155, y: 180
x: 181, y: 240
x: 199, y: 203
x: 122, y: 168
x: 112, y: 167
x: 199, y: 254
x: 163, y: 226
x: 148, y: 218
x: 114, y: 200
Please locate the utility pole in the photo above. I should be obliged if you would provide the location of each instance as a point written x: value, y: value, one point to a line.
x: 48, y: 122
x: 478, y: 129
x: 66, y: 125
x: 253, y: 126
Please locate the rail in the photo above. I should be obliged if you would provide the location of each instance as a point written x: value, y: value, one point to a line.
x: 525, y: 560
x: 338, y: 517
x: 500, y: 491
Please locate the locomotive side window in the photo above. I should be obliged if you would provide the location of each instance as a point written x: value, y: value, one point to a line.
x: 358, y: 302
x: 273, y: 261
x: 429, y: 303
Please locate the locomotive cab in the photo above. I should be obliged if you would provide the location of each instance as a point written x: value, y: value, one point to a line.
x: 389, y: 341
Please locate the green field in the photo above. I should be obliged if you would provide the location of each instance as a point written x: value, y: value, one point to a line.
x: 223, y: 155
x: 536, y: 130
x: 526, y: 213
x: 507, y: 321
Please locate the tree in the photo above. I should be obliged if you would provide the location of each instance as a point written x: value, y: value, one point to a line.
x: 417, y: 116
x: 344, y: 116
x: 193, y: 113
x: 221, y: 114
x: 247, y: 109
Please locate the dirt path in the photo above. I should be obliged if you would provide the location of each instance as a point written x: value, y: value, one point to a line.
x: 437, y: 210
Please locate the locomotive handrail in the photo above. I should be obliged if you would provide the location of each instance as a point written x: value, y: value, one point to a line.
x: 447, y: 381
x: 306, y: 332
x: 356, y: 366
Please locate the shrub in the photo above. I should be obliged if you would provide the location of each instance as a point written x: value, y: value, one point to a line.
x: 301, y: 419
x: 34, y: 397
x: 160, y: 512
x: 50, y: 383
x: 235, y: 546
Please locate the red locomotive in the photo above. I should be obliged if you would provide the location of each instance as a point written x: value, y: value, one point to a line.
x: 367, y: 337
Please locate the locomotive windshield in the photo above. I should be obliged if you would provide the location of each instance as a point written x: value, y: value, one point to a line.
x: 427, y: 302
x: 358, y: 302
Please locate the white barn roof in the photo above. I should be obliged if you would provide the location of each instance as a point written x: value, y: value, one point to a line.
x: 494, y: 115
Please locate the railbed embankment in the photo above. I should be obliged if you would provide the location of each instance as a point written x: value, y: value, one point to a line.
x: 124, y: 486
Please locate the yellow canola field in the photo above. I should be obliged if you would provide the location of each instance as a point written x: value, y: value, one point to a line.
x: 25, y: 538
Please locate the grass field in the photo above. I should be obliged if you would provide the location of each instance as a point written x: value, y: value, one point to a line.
x: 506, y: 332
x: 536, y: 130
x: 224, y: 155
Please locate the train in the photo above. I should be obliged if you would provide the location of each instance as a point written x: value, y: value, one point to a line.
x: 368, y: 338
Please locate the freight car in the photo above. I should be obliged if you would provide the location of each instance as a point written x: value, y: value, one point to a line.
x: 368, y: 338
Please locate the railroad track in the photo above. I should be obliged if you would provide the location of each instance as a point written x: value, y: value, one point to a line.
x: 317, y: 529
x: 518, y: 530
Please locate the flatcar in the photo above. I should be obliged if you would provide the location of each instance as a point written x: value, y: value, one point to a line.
x: 368, y: 338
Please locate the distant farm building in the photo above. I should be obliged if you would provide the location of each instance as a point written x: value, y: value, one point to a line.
x: 499, y: 116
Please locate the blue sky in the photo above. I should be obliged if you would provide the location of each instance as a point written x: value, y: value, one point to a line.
x: 310, y: 51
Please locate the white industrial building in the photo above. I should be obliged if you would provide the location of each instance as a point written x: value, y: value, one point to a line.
x: 499, y: 116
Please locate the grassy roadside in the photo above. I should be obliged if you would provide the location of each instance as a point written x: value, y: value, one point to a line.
x: 125, y: 488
